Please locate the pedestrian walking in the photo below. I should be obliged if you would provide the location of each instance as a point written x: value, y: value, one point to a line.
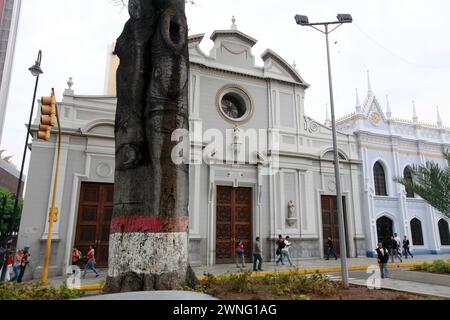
x: 24, y: 262
x: 76, y: 259
x: 257, y: 255
x: 17, y: 263
x: 280, y: 245
x: 285, y: 250
x: 399, y: 244
x: 331, y: 251
x: 9, y: 266
x: 406, y: 248
x: 383, y: 259
x: 395, y: 250
x: 91, y: 262
x: 240, y: 254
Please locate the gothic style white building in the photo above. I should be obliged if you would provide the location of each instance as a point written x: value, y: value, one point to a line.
x: 388, y: 148
x: 285, y: 186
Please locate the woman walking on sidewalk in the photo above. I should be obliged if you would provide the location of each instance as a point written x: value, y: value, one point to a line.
x: 240, y: 254
x: 91, y: 262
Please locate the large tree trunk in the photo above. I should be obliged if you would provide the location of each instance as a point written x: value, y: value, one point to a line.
x: 149, y: 229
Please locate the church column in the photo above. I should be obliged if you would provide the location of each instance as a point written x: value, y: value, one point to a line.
x: 371, y: 238
x: 400, y: 192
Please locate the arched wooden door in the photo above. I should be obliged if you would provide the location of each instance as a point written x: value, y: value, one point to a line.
x: 233, y: 222
x: 330, y: 223
x: 94, y: 219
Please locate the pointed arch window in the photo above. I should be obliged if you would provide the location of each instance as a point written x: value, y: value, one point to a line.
x: 416, y: 232
x: 444, y: 232
x: 407, y: 175
x: 379, y: 179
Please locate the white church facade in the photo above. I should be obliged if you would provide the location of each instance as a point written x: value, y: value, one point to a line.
x: 389, y: 147
x: 238, y: 191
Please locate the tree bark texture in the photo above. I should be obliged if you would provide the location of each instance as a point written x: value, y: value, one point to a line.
x: 149, y: 228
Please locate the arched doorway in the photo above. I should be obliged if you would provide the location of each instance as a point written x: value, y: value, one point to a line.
x: 385, y: 229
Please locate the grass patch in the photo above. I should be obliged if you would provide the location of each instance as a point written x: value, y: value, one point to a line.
x: 30, y: 291
x: 437, y: 266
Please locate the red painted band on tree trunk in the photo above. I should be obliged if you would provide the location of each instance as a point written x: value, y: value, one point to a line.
x: 135, y: 223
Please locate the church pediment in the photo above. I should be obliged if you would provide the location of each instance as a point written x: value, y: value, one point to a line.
x: 277, y: 67
x: 373, y: 111
x: 232, y: 47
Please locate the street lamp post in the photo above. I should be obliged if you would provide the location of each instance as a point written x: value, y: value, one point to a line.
x: 342, y: 18
x: 36, y: 71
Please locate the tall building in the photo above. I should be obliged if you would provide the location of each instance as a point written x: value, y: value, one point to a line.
x: 9, y: 21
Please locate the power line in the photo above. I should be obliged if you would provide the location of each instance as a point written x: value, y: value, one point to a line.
x: 395, y: 54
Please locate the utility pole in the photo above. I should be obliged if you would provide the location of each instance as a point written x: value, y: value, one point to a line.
x: 342, y: 18
x: 49, y: 115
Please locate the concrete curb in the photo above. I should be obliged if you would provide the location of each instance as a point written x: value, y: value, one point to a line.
x: 90, y: 287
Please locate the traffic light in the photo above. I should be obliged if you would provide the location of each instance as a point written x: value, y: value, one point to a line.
x: 48, y: 116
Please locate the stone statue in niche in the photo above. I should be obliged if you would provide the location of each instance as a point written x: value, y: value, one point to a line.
x: 236, y: 139
x: 237, y: 134
x: 291, y: 218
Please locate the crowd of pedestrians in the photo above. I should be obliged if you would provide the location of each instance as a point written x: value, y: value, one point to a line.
x: 14, y: 263
x: 282, y: 253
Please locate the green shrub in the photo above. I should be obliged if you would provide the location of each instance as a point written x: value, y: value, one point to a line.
x: 437, y: 266
x: 15, y: 291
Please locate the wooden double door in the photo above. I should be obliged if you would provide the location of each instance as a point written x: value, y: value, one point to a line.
x: 233, y: 222
x: 330, y: 225
x: 94, y: 219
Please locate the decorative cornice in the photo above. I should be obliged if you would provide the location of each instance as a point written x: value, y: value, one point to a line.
x: 221, y: 71
x: 236, y: 33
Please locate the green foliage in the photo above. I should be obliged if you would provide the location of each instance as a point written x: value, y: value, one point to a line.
x: 285, y: 285
x: 15, y: 291
x: 7, y: 199
x: 432, y: 183
x: 437, y: 266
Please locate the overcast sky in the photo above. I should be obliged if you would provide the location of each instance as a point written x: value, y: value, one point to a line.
x: 404, y: 44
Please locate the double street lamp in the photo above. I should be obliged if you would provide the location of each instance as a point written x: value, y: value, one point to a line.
x: 342, y: 18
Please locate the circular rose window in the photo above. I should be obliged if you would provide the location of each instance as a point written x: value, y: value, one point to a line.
x: 234, y: 104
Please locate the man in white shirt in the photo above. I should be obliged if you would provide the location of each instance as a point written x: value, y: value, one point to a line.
x: 285, y: 250
x: 399, y: 242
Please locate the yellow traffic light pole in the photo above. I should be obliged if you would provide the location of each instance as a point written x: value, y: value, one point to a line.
x: 53, y: 213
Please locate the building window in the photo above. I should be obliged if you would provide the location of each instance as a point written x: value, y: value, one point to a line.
x: 416, y: 232
x: 385, y: 229
x: 234, y: 104
x: 444, y: 232
x: 407, y: 175
x: 379, y: 179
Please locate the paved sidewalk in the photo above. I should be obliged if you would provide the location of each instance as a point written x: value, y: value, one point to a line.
x: 409, y: 286
x: 312, y: 264
x: 302, y: 265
